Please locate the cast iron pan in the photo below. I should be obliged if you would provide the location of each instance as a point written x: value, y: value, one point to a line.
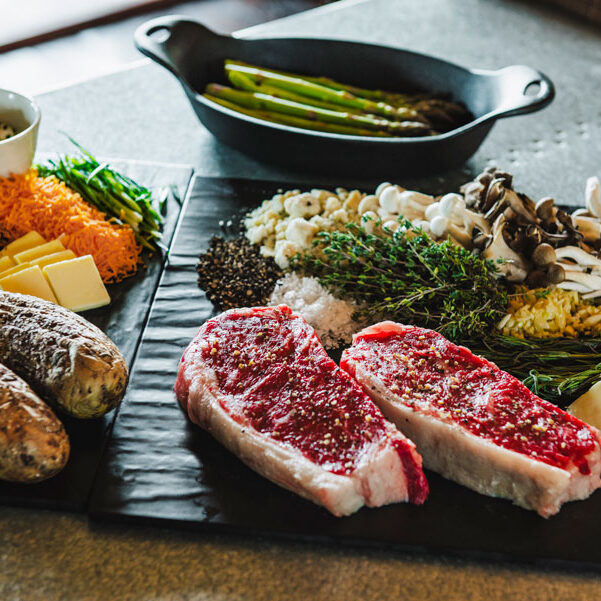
x: 195, y: 55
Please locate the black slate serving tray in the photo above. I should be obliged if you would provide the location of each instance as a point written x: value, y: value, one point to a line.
x: 123, y: 320
x: 159, y: 468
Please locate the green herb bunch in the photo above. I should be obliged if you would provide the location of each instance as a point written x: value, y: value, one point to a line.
x: 557, y: 369
x: 406, y: 276
x: 121, y: 198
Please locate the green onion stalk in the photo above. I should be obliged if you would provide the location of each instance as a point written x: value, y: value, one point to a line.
x: 115, y: 194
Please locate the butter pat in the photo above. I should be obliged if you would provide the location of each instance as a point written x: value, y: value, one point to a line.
x: 25, y: 242
x: 77, y: 284
x: 31, y: 281
x: 42, y: 250
x: 62, y: 255
x: 6, y: 263
x: 15, y: 269
x: 588, y: 406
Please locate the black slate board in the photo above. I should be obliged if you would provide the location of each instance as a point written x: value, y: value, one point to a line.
x: 123, y: 320
x: 159, y: 468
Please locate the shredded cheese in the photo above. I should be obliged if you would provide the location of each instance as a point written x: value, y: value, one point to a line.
x: 48, y: 206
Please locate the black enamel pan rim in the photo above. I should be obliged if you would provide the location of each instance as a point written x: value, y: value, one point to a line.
x: 154, y: 50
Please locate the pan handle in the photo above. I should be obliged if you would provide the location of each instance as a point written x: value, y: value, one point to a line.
x: 157, y: 39
x: 521, y: 90
x: 152, y: 38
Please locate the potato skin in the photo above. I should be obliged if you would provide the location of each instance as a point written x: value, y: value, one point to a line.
x: 33, y: 443
x: 68, y: 361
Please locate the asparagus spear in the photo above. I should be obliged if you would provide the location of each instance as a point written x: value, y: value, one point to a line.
x: 297, y: 121
x: 438, y: 112
x: 307, y: 88
x: 264, y: 102
x: 398, y: 99
x: 242, y: 82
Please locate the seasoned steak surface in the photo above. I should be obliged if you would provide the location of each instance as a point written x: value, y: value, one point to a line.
x: 270, y: 376
x: 434, y: 389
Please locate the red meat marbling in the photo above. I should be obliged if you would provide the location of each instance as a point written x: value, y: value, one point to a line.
x: 453, y: 404
x: 261, y: 382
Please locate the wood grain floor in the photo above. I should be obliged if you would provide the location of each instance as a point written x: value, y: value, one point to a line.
x: 102, y: 49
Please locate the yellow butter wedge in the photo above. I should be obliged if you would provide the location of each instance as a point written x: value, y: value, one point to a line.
x: 42, y: 250
x: 15, y: 269
x: 77, y: 284
x: 6, y: 263
x: 62, y: 255
x: 31, y: 281
x: 588, y: 406
x: 25, y: 242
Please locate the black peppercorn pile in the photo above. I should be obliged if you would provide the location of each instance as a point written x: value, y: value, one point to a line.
x: 234, y: 274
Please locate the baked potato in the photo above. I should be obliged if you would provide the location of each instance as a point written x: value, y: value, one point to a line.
x: 68, y: 361
x: 33, y: 442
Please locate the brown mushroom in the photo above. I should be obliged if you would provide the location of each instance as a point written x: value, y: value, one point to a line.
x: 544, y: 255
x: 495, y: 193
x: 522, y: 205
x: 556, y: 274
x: 544, y: 208
x: 589, y: 227
x: 513, y: 266
x: 537, y: 279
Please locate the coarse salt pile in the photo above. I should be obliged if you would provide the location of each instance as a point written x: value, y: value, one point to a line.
x: 332, y: 318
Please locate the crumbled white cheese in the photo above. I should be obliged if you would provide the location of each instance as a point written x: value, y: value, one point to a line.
x: 302, y: 205
x: 300, y: 231
x: 283, y: 252
x: 332, y: 318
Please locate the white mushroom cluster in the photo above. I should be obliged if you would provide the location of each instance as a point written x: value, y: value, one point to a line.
x: 391, y: 202
x: 445, y: 217
x: 588, y: 220
x: 581, y: 271
x: 450, y: 217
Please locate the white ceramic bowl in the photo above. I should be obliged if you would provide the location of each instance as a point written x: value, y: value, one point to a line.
x: 23, y: 114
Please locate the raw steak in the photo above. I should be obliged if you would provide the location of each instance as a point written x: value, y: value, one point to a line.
x: 262, y: 384
x: 474, y: 423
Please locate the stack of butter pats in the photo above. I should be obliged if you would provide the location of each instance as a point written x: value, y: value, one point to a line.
x: 46, y: 269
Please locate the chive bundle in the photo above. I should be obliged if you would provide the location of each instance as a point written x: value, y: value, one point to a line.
x: 113, y: 193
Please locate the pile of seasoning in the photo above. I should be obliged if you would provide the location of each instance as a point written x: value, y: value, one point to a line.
x: 233, y: 273
x: 330, y: 317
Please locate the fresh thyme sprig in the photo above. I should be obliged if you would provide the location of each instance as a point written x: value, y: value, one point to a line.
x: 406, y: 276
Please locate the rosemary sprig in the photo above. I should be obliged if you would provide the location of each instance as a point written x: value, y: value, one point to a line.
x: 557, y: 369
x: 407, y: 276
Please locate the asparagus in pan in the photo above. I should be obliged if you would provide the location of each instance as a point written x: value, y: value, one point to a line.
x: 322, y: 104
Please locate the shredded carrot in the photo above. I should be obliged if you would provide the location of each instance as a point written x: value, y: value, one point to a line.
x: 48, y: 206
